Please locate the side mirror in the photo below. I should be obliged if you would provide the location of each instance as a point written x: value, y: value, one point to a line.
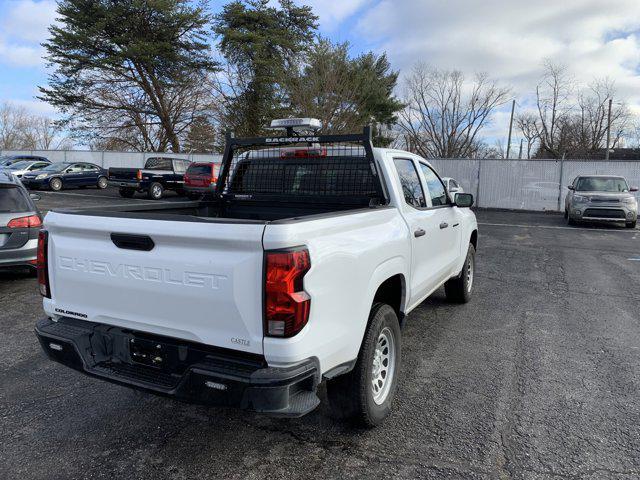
x: 633, y: 189
x: 35, y: 197
x: 571, y: 187
x: 464, y: 200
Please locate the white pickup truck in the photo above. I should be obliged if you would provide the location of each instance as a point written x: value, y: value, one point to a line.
x: 301, y: 268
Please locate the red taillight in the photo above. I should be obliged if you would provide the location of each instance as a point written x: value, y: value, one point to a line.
x: 139, y: 175
x: 43, y: 268
x: 287, y: 305
x: 214, y: 173
x: 304, y: 153
x: 32, y: 221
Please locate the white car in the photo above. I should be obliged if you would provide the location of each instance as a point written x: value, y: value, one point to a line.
x: 24, y: 166
x: 301, y: 269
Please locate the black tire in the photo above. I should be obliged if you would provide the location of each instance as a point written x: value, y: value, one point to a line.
x: 55, y: 184
x: 155, y: 191
x: 571, y: 222
x: 566, y: 215
x: 460, y: 289
x: 102, y: 183
x: 631, y: 224
x: 126, y: 192
x: 351, y: 396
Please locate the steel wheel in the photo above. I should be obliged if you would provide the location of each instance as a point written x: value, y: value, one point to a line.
x: 470, y: 271
x: 102, y: 183
x: 384, y: 364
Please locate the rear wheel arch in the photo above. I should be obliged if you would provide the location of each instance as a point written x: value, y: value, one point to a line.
x: 392, y: 292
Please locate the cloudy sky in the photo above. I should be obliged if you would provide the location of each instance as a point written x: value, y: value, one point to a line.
x: 509, y: 39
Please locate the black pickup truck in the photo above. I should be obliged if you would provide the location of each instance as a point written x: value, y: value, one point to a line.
x: 159, y: 174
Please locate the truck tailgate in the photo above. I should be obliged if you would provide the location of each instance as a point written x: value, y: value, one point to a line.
x: 200, y: 281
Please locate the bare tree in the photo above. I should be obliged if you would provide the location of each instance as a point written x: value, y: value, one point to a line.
x: 528, y: 125
x: 444, y: 114
x: 554, y: 108
x: 20, y: 130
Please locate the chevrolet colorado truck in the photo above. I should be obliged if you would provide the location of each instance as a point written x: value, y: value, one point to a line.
x: 300, y: 269
x: 159, y: 174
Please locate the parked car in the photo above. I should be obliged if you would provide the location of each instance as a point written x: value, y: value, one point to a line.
x: 602, y: 198
x: 301, y: 269
x: 20, y: 222
x: 159, y: 174
x: 200, y: 179
x: 25, y: 166
x: 452, y: 185
x: 67, y: 175
x: 9, y: 160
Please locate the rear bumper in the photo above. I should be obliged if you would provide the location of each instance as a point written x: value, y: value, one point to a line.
x: 189, y: 371
x: 200, y: 190
x: 125, y: 184
x: 25, y: 255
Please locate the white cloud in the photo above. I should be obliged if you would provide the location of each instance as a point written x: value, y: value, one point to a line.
x: 510, y: 39
x: 29, y: 20
x: 22, y: 29
x: 331, y: 12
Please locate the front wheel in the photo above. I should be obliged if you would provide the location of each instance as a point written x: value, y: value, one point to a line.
x: 55, y: 184
x: 459, y: 289
x: 155, y: 191
x: 102, y: 183
x: 631, y: 224
x: 365, y: 394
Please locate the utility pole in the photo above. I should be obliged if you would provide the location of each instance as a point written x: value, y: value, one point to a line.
x: 520, y: 151
x: 513, y: 106
x: 606, y: 153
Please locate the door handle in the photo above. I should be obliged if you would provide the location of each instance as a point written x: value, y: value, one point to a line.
x: 419, y: 233
x: 443, y: 225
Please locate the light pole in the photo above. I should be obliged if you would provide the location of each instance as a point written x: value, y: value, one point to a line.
x: 513, y: 106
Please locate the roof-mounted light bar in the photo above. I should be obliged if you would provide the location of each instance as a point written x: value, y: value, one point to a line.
x: 296, y: 123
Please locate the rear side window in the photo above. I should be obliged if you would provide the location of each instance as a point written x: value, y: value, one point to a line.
x: 199, y: 169
x: 13, y: 199
x: 435, y: 186
x: 158, y: 164
x: 411, y: 186
x: 180, y: 166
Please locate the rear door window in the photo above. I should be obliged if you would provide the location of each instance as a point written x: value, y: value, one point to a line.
x: 411, y: 186
x: 13, y: 199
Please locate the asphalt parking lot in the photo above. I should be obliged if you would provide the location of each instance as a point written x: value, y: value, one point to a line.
x: 537, y: 377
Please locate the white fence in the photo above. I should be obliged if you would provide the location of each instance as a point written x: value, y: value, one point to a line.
x: 513, y: 184
x: 110, y: 159
x: 527, y: 184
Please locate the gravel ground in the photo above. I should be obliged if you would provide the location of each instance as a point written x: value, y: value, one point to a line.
x: 536, y: 377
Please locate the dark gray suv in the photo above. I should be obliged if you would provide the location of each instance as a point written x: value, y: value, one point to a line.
x: 20, y: 222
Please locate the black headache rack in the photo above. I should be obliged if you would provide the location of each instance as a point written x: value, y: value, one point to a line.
x: 302, y: 168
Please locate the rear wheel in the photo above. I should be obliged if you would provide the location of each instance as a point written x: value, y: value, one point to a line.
x: 566, y: 214
x: 102, y: 183
x: 459, y: 289
x: 365, y: 394
x: 55, y: 184
x: 126, y: 192
x: 155, y: 191
x: 631, y: 224
x: 571, y: 221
